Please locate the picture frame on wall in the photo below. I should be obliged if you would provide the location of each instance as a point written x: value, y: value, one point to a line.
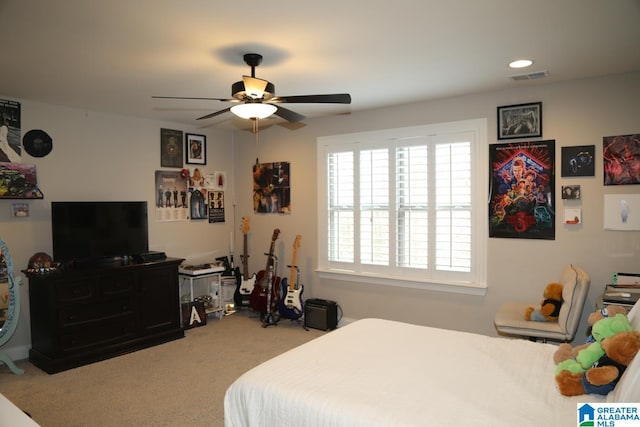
x: 578, y: 161
x: 171, y: 148
x: 520, y: 121
x: 522, y: 190
x: 196, y: 149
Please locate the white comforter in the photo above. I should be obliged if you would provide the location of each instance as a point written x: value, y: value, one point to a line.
x: 382, y: 373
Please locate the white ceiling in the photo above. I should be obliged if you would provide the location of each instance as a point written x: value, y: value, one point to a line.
x: 114, y: 55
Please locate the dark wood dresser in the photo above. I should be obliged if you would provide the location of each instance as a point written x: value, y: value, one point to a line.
x: 83, y: 315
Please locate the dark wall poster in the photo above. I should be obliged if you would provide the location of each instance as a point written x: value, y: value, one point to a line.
x: 522, y: 190
x: 216, y: 206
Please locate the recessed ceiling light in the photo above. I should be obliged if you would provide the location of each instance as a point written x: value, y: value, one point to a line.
x: 520, y: 63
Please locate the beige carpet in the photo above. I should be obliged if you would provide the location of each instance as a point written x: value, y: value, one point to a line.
x: 180, y: 383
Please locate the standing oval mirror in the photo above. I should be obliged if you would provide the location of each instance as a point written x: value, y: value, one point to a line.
x: 9, y: 304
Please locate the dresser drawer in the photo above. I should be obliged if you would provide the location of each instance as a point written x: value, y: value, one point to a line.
x: 100, y: 335
x: 72, y: 291
x: 117, y: 285
x: 92, y: 313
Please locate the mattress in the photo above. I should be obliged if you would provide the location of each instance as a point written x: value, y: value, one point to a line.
x: 376, y: 372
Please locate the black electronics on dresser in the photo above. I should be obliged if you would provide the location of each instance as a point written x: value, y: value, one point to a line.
x: 320, y: 314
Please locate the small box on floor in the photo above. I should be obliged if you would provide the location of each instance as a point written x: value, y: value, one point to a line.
x: 320, y: 314
x: 193, y: 314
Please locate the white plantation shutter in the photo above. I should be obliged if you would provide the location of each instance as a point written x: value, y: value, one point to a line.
x: 453, y: 206
x: 401, y: 203
x: 412, y: 201
x: 374, y: 207
x: 341, y: 188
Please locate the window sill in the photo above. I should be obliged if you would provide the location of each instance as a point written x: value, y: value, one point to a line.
x: 443, y: 286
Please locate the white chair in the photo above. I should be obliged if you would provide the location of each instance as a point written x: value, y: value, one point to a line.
x: 510, y: 319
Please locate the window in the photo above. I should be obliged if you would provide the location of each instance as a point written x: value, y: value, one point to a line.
x: 405, y: 206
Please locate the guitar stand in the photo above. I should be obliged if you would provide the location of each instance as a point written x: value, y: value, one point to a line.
x: 269, y: 319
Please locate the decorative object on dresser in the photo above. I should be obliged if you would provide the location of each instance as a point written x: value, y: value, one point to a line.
x: 84, y: 315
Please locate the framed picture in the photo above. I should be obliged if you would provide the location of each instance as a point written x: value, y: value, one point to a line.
x: 171, y: 148
x: 522, y: 190
x: 520, y: 121
x: 621, y: 159
x: 196, y: 149
x: 578, y: 160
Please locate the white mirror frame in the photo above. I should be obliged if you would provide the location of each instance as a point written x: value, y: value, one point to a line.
x: 13, y: 312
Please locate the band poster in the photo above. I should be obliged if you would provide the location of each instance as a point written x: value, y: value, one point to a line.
x: 522, y: 190
x: 216, y: 206
x: 272, y: 187
x: 172, y: 202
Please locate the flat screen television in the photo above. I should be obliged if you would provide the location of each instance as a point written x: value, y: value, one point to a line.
x: 98, y: 231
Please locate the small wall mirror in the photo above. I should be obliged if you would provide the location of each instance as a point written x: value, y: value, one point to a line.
x: 9, y: 304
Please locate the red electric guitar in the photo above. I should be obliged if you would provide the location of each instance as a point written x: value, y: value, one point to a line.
x: 290, y: 306
x: 266, y: 292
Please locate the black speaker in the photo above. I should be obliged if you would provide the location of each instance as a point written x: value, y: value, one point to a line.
x: 320, y: 314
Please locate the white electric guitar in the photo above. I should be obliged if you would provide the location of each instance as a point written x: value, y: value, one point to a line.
x: 246, y: 284
x: 291, y: 305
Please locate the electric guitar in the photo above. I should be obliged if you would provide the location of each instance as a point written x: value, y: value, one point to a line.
x: 266, y: 291
x: 244, y: 283
x: 291, y: 305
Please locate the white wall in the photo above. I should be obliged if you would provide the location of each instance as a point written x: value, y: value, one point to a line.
x: 98, y: 156
x: 574, y: 113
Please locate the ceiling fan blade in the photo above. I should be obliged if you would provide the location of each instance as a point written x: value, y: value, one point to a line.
x: 254, y: 87
x: 336, y: 98
x: 217, y: 113
x: 288, y: 115
x: 205, y: 99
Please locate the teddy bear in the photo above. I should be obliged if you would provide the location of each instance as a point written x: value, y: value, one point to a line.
x: 549, y: 308
x: 589, y: 355
x: 619, y: 350
x: 565, y: 351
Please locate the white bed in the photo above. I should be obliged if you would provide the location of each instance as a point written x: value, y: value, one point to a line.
x: 376, y: 372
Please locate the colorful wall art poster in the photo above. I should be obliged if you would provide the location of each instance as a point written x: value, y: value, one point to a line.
x: 621, y: 156
x: 522, y: 190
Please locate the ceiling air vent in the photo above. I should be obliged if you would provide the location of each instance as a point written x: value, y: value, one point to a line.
x: 530, y: 76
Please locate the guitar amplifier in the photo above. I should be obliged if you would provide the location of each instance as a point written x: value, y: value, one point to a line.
x: 320, y: 314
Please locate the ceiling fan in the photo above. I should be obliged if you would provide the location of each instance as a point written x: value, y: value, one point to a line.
x: 256, y: 99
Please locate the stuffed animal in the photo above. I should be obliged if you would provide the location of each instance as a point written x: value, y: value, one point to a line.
x: 570, y: 372
x: 565, y: 351
x: 608, y: 311
x: 549, y: 308
x: 602, y: 377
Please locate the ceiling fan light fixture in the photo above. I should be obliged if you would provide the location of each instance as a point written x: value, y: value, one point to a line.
x: 253, y: 110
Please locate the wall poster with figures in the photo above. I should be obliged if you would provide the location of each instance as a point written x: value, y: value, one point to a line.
x: 522, y: 190
x: 171, y: 196
x: 272, y: 187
